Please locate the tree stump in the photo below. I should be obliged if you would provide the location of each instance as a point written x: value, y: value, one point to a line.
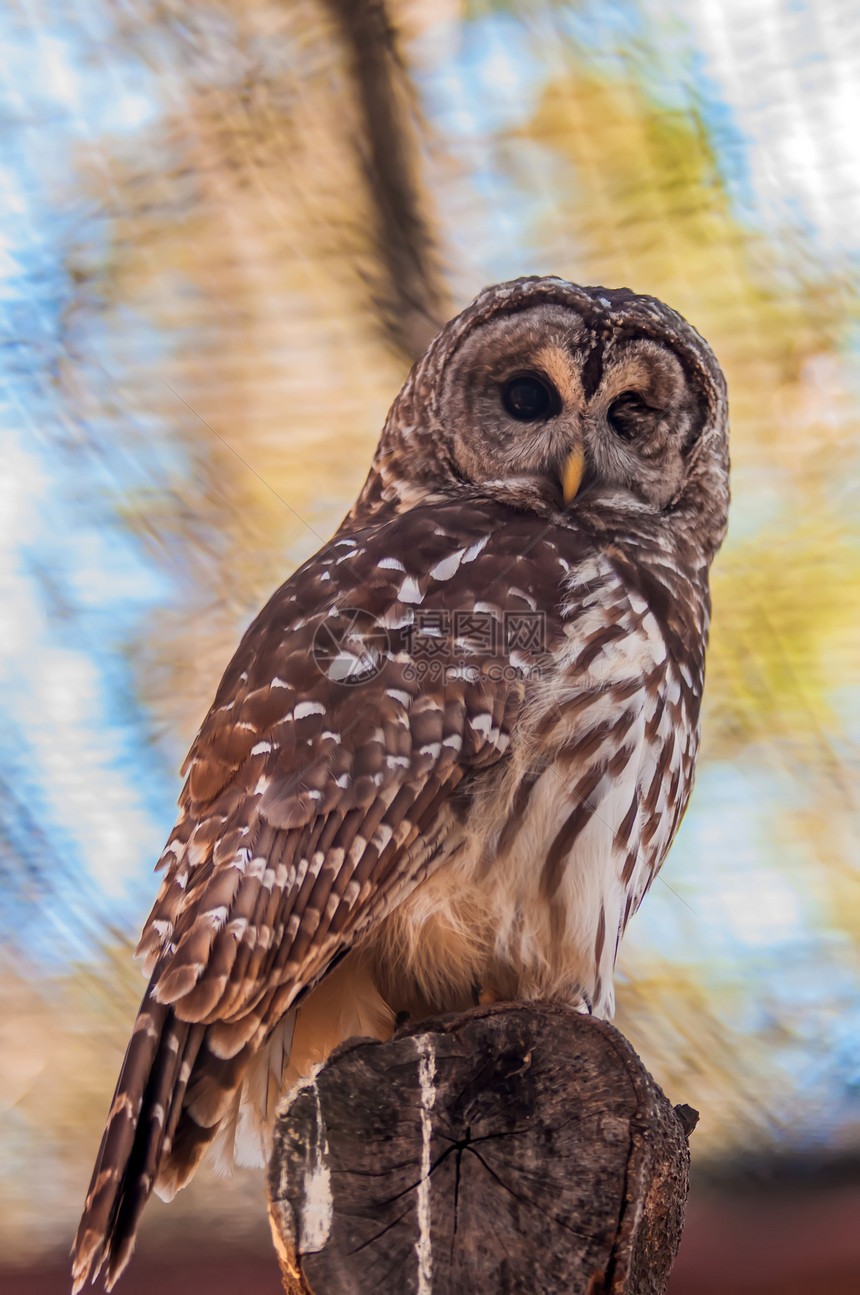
x: 519, y: 1147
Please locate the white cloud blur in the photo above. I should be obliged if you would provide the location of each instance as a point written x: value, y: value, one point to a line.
x: 790, y: 73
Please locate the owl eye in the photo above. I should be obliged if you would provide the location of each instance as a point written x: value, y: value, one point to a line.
x: 528, y: 398
x: 629, y: 416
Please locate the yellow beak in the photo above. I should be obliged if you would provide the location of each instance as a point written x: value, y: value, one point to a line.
x: 571, y: 474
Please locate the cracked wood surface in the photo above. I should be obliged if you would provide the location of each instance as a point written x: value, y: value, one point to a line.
x: 518, y: 1147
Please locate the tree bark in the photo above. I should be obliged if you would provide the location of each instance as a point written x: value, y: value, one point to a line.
x: 519, y: 1147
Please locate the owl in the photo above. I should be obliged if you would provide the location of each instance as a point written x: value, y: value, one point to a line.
x: 451, y: 753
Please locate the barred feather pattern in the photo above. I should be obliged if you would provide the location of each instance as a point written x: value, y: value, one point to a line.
x: 361, y: 835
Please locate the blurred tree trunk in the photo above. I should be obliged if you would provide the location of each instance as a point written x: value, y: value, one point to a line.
x: 516, y: 1147
x: 411, y: 296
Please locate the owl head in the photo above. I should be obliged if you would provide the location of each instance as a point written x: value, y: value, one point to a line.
x: 576, y: 403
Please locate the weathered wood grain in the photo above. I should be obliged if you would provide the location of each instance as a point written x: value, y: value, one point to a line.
x: 513, y: 1148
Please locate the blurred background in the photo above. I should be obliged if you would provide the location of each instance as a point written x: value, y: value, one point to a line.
x: 227, y: 229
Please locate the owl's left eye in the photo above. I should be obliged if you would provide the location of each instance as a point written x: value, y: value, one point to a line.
x: 529, y: 397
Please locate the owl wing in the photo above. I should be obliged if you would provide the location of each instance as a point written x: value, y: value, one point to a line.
x: 318, y: 791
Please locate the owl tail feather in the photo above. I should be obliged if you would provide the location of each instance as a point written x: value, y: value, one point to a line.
x: 141, y: 1125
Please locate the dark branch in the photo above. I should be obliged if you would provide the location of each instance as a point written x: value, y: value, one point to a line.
x: 412, y: 300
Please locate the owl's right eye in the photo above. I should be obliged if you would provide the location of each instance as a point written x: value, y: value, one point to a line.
x: 629, y: 416
x: 529, y: 397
